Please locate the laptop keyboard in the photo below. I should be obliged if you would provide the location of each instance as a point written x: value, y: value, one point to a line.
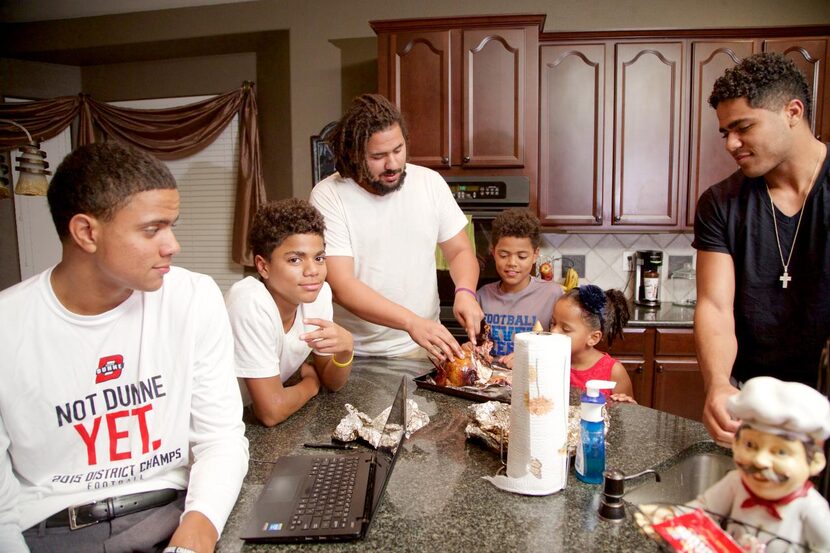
x: 329, y: 498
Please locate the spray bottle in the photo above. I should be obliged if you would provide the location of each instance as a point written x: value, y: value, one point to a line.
x: 590, y: 452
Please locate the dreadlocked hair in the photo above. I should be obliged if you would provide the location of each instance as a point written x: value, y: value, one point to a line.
x: 604, y: 311
x: 767, y: 80
x: 368, y: 114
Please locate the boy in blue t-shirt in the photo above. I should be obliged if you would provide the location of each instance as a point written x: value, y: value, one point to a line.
x: 518, y: 300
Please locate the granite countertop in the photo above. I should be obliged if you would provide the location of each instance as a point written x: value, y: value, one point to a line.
x: 667, y: 315
x: 436, y: 498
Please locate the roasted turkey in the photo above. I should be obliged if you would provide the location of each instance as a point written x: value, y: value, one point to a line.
x: 471, y: 370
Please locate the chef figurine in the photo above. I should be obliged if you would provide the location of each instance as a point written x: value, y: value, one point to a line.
x: 776, y: 450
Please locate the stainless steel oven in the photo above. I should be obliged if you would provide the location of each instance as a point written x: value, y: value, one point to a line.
x: 481, y: 197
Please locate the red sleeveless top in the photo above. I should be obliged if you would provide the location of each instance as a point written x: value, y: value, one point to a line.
x: 600, y: 371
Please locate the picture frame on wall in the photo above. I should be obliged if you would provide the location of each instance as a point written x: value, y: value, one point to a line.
x: 322, y: 157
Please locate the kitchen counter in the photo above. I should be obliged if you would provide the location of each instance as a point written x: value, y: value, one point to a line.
x: 667, y: 315
x: 436, y: 499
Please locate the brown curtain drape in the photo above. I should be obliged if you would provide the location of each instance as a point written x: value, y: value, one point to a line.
x: 168, y: 134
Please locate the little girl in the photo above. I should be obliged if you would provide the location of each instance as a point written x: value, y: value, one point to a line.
x: 586, y: 314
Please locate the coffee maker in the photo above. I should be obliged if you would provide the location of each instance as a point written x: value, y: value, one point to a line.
x: 647, y: 282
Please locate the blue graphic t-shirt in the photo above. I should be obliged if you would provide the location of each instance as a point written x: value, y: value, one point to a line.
x: 508, y: 313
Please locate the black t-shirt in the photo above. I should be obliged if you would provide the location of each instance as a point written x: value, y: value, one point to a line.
x: 780, y: 331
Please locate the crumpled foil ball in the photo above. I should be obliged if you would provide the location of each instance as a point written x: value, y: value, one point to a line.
x: 359, y: 425
x: 490, y: 423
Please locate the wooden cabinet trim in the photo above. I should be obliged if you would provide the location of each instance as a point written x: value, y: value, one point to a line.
x: 446, y: 23
x: 714, y: 33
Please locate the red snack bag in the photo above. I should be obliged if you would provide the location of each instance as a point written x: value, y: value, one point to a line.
x: 696, y: 533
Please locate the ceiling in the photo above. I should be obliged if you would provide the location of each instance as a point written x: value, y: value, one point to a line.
x: 18, y: 11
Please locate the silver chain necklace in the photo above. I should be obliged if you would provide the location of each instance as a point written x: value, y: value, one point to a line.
x: 786, y: 278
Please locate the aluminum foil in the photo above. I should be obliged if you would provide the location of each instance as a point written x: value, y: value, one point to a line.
x: 359, y: 425
x: 490, y: 423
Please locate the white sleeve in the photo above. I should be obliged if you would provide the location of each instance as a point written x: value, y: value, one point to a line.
x: 450, y: 217
x: 325, y: 198
x: 11, y: 538
x: 217, y: 434
x: 255, y: 337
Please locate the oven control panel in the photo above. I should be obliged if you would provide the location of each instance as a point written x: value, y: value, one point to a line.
x: 474, y: 191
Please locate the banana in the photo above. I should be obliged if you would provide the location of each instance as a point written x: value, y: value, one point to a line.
x: 571, y: 279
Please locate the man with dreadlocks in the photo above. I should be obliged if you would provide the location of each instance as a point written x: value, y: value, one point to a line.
x: 384, y: 218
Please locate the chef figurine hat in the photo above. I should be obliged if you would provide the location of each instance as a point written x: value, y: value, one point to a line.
x: 770, y: 405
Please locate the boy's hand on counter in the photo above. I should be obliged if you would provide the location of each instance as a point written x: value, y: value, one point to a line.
x: 720, y: 425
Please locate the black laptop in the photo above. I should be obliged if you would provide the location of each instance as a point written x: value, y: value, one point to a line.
x: 328, y: 497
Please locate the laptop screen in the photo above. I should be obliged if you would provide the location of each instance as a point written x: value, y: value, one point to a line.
x: 389, y: 446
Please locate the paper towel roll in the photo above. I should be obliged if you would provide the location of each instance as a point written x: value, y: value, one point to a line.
x: 537, y: 457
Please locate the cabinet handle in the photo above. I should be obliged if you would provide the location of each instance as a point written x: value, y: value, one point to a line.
x: 598, y: 218
x: 660, y: 368
x: 466, y: 159
x: 617, y: 218
x: 639, y: 369
x: 445, y: 160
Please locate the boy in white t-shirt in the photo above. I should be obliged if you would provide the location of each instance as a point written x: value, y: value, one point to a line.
x: 284, y: 315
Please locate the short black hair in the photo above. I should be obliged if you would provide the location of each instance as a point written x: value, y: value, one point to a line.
x: 99, y: 179
x: 367, y: 114
x: 277, y: 220
x: 767, y: 80
x: 518, y: 223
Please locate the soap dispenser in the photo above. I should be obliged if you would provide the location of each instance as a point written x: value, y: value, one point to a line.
x: 590, y: 452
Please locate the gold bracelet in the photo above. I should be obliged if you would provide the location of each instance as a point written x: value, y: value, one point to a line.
x: 341, y: 365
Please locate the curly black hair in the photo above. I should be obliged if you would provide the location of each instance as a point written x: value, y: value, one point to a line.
x: 99, y: 179
x: 368, y: 114
x: 766, y: 80
x: 277, y: 220
x: 604, y: 311
x: 518, y: 223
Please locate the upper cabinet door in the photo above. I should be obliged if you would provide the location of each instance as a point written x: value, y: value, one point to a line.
x: 810, y: 56
x: 493, y: 93
x: 572, y: 134
x: 709, y: 163
x: 419, y: 84
x: 648, y: 129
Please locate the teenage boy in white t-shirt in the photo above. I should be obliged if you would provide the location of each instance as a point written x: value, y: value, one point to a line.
x: 284, y: 315
x: 117, y: 389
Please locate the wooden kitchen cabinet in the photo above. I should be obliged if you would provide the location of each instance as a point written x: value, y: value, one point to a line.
x: 468, y: 88
x: 663, y: 368
x: 627, y: 138
x: 573, y: 131
x: 612, y: 125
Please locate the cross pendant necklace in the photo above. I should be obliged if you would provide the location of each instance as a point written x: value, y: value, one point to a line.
x: 786, y: 278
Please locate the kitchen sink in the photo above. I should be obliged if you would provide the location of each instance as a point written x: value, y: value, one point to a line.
x: 685, y: 476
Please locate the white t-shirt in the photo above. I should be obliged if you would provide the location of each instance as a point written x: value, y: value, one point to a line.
x: 262, y: 347
x: 112, y: 404
x: 392, y: 240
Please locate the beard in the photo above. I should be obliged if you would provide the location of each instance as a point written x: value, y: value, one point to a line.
x: 381, y: 189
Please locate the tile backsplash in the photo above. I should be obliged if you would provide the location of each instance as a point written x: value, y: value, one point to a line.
x: 603, y: 256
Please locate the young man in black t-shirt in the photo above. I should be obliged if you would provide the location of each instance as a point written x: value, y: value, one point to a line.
x: 763, y: 262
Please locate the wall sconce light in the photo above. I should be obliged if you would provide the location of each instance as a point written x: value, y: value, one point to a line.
x: 31, y: 168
